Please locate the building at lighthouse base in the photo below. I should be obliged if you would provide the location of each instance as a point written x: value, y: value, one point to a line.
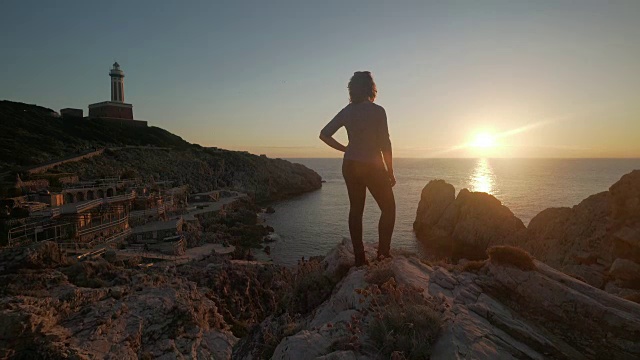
x: 111, y: 109
x: 114, y: 111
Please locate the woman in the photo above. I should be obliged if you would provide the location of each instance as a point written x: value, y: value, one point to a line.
x: 365, y: 157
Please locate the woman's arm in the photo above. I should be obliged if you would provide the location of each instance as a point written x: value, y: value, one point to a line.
x: 387, y: 156
x: 327, y: 132
x: 385, y: 147
x: 329, y: 140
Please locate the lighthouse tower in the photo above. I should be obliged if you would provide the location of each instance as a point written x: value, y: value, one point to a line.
x: 117, y: 83
x: 116, y: 109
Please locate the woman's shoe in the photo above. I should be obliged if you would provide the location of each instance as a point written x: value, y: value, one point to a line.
x: 362, y: 263
x: 383, y: 256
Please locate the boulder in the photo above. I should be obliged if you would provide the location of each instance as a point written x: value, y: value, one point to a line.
x: 436, y: 196
x: 585, y: 239
x: 466, y: 226
x: 625, y: 195
x: 559, y: 235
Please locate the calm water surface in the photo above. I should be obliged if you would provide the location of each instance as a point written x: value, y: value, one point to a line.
x: 313, y: 223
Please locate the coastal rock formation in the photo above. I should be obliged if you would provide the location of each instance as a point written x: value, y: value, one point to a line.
x: 31, y: 135
x: 584, y: 241
x: 492, y: 310
x: 625, y: 196
x: 556, y: 235
x: 205, y: 169
x: 94, y: 308
x: 40, y: 255
x: 466, y: 225
x: 597, y: 240
x: 117, y: 310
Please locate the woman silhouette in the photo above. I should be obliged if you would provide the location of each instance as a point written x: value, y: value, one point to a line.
x: 365, y: 157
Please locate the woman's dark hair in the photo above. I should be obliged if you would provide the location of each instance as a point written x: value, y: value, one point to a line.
x: 362, y: 87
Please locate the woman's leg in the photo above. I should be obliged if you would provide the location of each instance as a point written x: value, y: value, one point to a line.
x: 380, y: 188
x: 357, y: 195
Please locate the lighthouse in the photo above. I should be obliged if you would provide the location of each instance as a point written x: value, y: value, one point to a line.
x: 117, y: 83
x: 115, y: 110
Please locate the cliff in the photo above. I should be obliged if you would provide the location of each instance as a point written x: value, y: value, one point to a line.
x: 595, y: 241
x: 203, y: 169
x: 507, y: 307
x: 31, y: 135
x: 52, y: 307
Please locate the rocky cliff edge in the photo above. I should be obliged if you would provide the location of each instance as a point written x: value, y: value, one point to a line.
x: 506, y: 307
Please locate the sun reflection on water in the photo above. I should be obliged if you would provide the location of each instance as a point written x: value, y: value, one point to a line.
x: 482, y: 178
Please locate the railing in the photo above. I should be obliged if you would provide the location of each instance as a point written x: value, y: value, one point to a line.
x: 92, y: 253
x: 92, y: 244
x: 148, y: 212
x: 153, y: 255
x: 36, y: 207
x: 125, y: 197
x: 29, y: 232
x: 103, y: 226
x: 93, y: 203
x: 88, y: 205
x: 117, y: 237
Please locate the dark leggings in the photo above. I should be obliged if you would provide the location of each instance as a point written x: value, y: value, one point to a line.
x: 359, y: 177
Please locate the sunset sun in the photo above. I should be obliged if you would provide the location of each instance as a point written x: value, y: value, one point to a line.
x: 484, y: 140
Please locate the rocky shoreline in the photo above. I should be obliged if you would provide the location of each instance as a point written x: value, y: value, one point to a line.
x: 486, y: 298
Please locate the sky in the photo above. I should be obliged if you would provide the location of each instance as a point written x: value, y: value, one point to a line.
x: 457, y: 78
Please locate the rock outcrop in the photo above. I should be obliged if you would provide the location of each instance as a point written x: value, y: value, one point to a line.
x: 487, y: 311
x: 597, y: 240
x: 466, y: 225
x: 40, y: 255
x: 94, y: 309
x: 118, y: 310
x: 584, y: 241
x: 556, y: 235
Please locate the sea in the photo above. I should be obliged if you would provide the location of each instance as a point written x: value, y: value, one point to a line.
x: 315, y: 222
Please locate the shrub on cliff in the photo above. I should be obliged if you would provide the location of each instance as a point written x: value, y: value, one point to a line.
x: 410, y: 330
x: 404, y: 322
x: 378, y: 273
x: 473, y: 266
x: 263, y: 338
x: 511, y: 256
x: 311, y: 287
